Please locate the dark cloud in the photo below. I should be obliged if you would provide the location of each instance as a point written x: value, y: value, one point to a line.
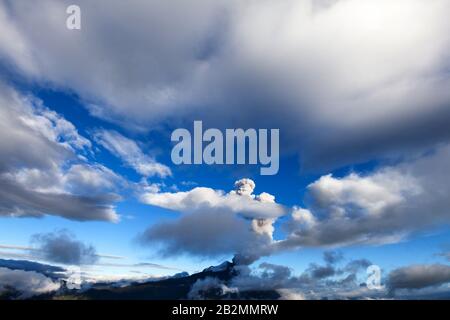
x: 384, y: 206
x: 378, y: 97
x: 63, y: 247
x: 419, y: 276
x: 321, y: 272
x: 331, y: 257
x: 338, y: 281
x: 50, y: 271
x: 333, y: 268
x: 213, y: 222
x: 356, y: 265
x: 203, y: 234
x: 274, y: 272
x: 17, y: 200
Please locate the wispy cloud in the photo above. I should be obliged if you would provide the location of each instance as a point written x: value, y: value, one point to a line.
x: 132, y: 155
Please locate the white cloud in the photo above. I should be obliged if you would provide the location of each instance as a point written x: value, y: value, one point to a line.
x: 303, y: 218
x: 371, y: 195
x: 92, y: 179
x: 244, y: 187
x: 350, y: 79
x: 43, y: 168
x: 214, y: 223
x: 239, y: 201
x: 12, y: 44
x: 202, y: 286
x: 27, y: 283
x: 264, y: 227
x: 53, y: 126
x: 131, y: 154
x: 384, y: 206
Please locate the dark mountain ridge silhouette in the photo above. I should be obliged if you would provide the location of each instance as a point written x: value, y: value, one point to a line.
x: 174, y: 288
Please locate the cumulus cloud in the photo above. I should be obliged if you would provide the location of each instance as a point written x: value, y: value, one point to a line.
x: 263, y: 226
x: 244, y: 187
x: 25, y: 284
x: 384, y: 206
x: 131, y: 154
x: 63, y: 247
x: 241, y: 200
x: 350, y: 79
x: 213, y: 222
x: 43, y: 168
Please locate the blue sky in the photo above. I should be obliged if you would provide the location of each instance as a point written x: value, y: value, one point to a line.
x: 358, y: 91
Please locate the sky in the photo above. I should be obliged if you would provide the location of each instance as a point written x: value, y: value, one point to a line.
x: 359, y: 90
